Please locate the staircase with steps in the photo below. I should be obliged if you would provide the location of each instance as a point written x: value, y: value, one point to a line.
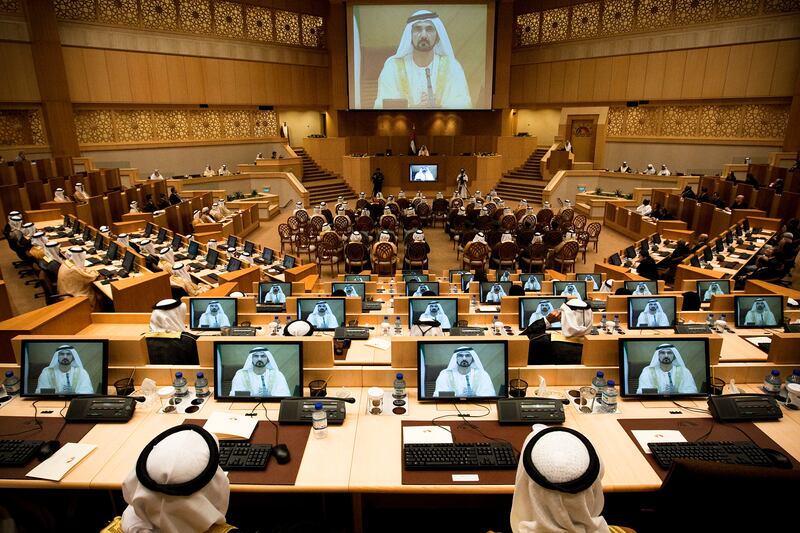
x: 525, y: 181
x: 323, y: 186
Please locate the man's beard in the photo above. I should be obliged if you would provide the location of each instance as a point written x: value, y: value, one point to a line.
x: 260, y: 363
x: 423, y: 45
x: 66, y: 362
x: 465, y: 364
x: 666, y: 360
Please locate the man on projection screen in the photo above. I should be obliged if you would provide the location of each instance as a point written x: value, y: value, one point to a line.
x: 424, y: 72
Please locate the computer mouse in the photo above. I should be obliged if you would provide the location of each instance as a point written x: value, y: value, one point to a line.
x: 47, y: 449
x: 778, y: 459
x: 281, y: 453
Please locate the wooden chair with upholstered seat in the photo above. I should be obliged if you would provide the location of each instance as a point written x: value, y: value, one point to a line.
x: 384, y: 258
x: 565, y: 256
x: 476, y: 256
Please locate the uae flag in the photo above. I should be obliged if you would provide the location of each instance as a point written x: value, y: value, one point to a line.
x: 412, y: 144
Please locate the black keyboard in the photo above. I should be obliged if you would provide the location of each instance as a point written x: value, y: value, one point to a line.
x: 107, y: 273
x: 18, y: 452
x: 197, y: 266
x: 213, y: 276
x: 460, y: 456
x: 242, y: 455
x: 730, y: 452
x: 692, y: 329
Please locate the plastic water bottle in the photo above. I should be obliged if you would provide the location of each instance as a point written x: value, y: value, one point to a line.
x: 616, y: 321
x: 772, y: 382
x: 319, y: 421
x: 201, y: 386
x: 11, y: 383
x: 794, y: 377
x: 599, y: 382
x: 399, y: 387
x: 495, y: 327
x: 710, y: 320
x: 398, y: 326
x: 603, y: 319
x: 453, y: 288
x: 391, y: 286
x: 385, y: 327
x: 179, y: 383
x: 277, y: 323
x: 474, y: 303
x: 610, y: 397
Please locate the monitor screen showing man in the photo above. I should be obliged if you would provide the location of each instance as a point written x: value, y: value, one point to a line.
x: 419, y: 288
x: 451, y: 274
x: 425, y: 56
x: 708, y: 288
x: 642, y: 288
x: 424, y: 173
x: 325, y: 314
x: 492, y: 292
x: 63, y: 367
x: 575, y: 289
x: 504, y: 275
x: 758, y: 311
x: 471, y: 372
x: 651, y: 313
x: 269, y: 371
x: 273, y: 292
x: 593, y: 281
x: 212, y: 313
x: 417, y: 276
x: 351, y: 289
x: 533, y: 309
x: 664, y: 367
x: 531, y: 282
x: 442, y: 310
x: 358, y: 277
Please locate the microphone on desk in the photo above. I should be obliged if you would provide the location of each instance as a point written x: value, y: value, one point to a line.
x: 431, y: 99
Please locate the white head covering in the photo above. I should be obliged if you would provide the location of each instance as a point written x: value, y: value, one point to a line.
x: 180, y: 455
x: 642, y: 289
x: 39, y: 239
x: 123, y: 239
x: 79, y: 187
x: 59, y: 195
x: 104, y: 230
x: 476, y: 361
x: 713, y: 288
x: 355, y: 236
x: 657, y: 318
x: 179, y: 272
x: 134, y: 206
x: 571, y: 290
x: 76, y: 359
x: 532, y: 283
x: 462, y: 210
x: 13, y: 214
x: 362, y: 195
x: 506, y: 237
x: 325, y: 320
x: 274, y: 296
x: 558, y: 484
x: 544, y: 308
x: 759, y: 318
x: 147, y: 247
x: 77, y: 256
x: 385, y: 237
x: 211, y: 244
x: 248, y: 364
x: 419, y: 236
x: 678, y: 361
x: 523, y: 204
x: 589, y: 279
x: 168, y: 316
x: 479, y: 237
x: 28, y: 229
x: 167, y: 254
x: 349, y: 290
x: 51, y: 251
x: 496, y: 293
x: 434, y: 311
x: 607, y: 285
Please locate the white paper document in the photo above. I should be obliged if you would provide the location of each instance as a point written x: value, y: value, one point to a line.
x: 61, y: 462
x: 381, y: 344
x: 645, y: 436
x: 228, y: 426
x: 426, y: 435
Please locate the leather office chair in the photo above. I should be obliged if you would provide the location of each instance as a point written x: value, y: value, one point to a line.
x: 416, y: 257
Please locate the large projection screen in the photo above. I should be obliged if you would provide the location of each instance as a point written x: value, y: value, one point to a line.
x: 420, y: 56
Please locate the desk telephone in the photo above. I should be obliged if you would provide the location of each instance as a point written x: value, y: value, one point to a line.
x: 102, y: 409
x: 744, y: 407
x: 530, y: 411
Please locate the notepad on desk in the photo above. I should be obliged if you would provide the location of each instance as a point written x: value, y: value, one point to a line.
x: 64, y: 460
x: 488, y: 308
x: 231, y: 426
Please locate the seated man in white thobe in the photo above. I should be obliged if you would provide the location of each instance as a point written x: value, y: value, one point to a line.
x: 156, y: 175
x: 653, y: 316
x: 496, y: 294
x: 760, y: 314
x: 423, y: 174
x: 664, y: 171
x: 645, y: 208
x: 642, y: 290
x: 322, y: 317
x: 532, y: 284
x: 713, y: 288
x: 350, y: 291
x: 260, y: 375
x: 571, y: 290
x: 209, y: 172
x: 435, y: 312
x: 58, y: 196
x: 464, y: 376
x: 666, y: 373
x: 275, y: 295
x: 223, y: 170
x: 214, y: 317
x: 544, y: 308
x: 65, y: 374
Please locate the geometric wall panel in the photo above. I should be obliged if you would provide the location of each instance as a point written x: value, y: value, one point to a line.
x: 22, y: 127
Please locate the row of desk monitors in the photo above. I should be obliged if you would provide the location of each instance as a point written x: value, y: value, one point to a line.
x: 447, y: 370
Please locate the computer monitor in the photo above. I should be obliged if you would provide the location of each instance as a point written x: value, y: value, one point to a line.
x: 466, y: 279
x: 177, y: 242
x: 417, y: 288
x: 63, y: 368
x: 441, y: 376
x: 707, y: 288
x: 325, y: 314
x: 350, y: 288
x: 642, y: 288
x: 531, y: 282
x: 266, y: 255
x: 76, y: 228
x: 128, y: 261
x: 665, y: 368
x: 112, y: 252
x: 694, y: 261
x: 630, y: 252
x: 445, y: 310
x: 260, y: 372
x: 148, y: 230
x: 453, y: 272
x: 289, y: 261
x: 415, y: 276
x: 758, y: 311
x: 719, y: 246
x: 67, y: 221
x: 358, y: 277
x: 570, y: 288
x: 504, y: 275
x: 651, y: 312
x: 492, y: 292
x: 728, y: 238
x: 194, y: 249
x: 615, y: 260
x: 746, y: 225
x: 425, y: 173
x: 162, y: 235
x: 739, y: 231
x: 212, y: 313
x: 708, y: 254
x: 594, y: 282
x: 99, y: 242
x: 644, y: 248
x: 212, y: 255
x: 532, y: 309
x: 656, y: 238
x: 234, y: 264
x: 273, y: 292
x: 249, y: 246
x: 87, y: 234
x: 231, y: 241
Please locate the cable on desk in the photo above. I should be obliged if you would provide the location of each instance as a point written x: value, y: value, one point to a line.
x: 266, y: 414
x: 36, y: 422
x: 476, y: 428
x: 692, y: 409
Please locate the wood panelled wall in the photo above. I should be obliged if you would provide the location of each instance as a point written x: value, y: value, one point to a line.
x: 19, y: 83
x: 766, y: 69
x: 110, y: 76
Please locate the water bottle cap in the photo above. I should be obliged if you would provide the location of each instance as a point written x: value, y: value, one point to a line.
x: 795, y: 372
x: 277, y: 318
x: 10, y: 373
x: 611, y: 382
x: 776, y: 372
x: 178, y: 374
x: 386, y: 318
x: 200, y: 375
x: 399, y: 375
x: 600, y: 374
x: 318, y: 406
